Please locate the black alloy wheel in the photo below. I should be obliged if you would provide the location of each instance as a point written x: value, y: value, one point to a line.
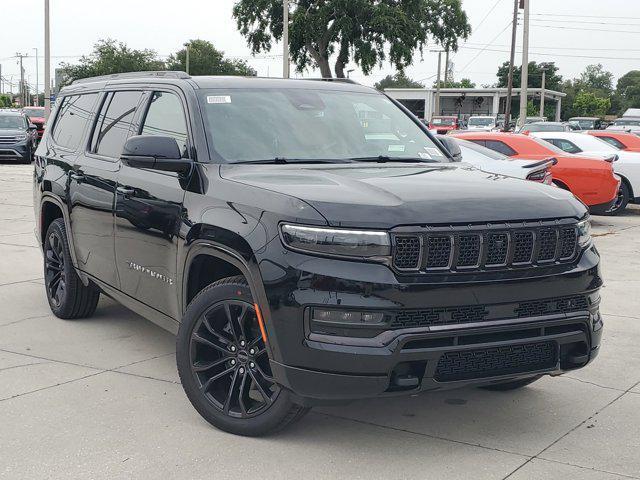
x: 621, y: 201
x: 54, y: 269
x: 230, y: 362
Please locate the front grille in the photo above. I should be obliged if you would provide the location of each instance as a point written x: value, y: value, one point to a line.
x: 495, y: 361
x: 488, y: 247
x: 4, y: 140
x: 431, y: 317
x: 407, y: 252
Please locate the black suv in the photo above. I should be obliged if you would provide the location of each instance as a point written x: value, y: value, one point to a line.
x: 17, y: 136
x: 309, y: 242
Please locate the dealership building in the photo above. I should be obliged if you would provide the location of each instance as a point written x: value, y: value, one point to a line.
x: 465, y: 102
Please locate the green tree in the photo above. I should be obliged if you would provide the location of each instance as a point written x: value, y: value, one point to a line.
x: 110, y: 56
x: 399, y: 80
x: 628, y: 90
x: 5, y: 101
x: 553, y: 80
x: 205, y: 59
x: 597, y: 80
x: 587, y: 104
x: 366, y: 32
x: 464, y: 83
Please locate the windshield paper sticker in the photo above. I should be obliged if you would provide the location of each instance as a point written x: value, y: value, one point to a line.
x: 219, y: 99
x: 396, y: 148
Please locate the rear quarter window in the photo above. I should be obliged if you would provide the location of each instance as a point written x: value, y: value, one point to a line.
x: 500, y: 147
x: 614, y: 142
x: 72, y: 118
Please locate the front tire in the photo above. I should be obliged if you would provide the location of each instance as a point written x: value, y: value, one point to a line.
x: 621, y: 201
x: 224, y: 365
x: 68, y: 297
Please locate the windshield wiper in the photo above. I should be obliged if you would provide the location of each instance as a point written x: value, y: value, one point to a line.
x: 388, y: 159
x: 283, y: 161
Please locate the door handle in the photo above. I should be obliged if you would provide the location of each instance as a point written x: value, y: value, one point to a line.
x: 76, y: 176
x: 125, y: 191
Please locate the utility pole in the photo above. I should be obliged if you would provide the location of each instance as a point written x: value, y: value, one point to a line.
x: 37, y: 81
x: 285, y: 39
x: 542, y: 92
x: 22, y: 90
x: 47, y: 64
x: 525, y: 65
x: 436, y: 108
x: 446, y: 68
x: 514, y: 29
x: 1, y: 81
x: 186, y: 46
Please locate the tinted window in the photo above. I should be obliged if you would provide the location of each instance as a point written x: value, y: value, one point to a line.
x: 500, y: 147
x: 614, y: 142
x: 113, y: 126
x: 165, y: 117
x: 482, y: 143
x: 565, y: 145
x: 72, y: 118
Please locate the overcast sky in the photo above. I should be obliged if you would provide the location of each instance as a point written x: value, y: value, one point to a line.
x: 164, y: 25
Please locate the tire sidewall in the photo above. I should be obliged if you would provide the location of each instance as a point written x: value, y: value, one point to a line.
x: 258, y: 425
x: 626, y: 197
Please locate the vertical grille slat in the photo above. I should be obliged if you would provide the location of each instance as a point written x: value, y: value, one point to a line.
x: 474, y: 248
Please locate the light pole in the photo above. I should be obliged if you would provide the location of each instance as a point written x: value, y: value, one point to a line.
x: 285, y: 39
x: 436, y: 109
x: 525, y: 66
x: 47, y: 64
x: 514, y: 29
x: 186, y: 46
x: 37, y: 80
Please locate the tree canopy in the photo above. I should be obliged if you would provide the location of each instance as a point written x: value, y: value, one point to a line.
x: 553, y: 80
x: 110, y: 56
x: 399, y: 80
x: 365, y: 32
x: 628, y: 90
x: 587, y: 104
x: 205, y: 59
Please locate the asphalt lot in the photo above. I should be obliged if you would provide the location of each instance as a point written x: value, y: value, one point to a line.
x: 100, y: 398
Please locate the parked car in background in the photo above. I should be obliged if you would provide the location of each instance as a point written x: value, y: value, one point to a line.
x: 619, y: 139
x: 529, y: 120
x: 444, y: 124
x: 625, y: 164
x: 17, y: 136
x: 587, y: 123
x: 480, y: 123
x: 493, y: 162
x: 545, y: 127
x: 36, y: 116
x: 590, y: 179
x: 626, y: 124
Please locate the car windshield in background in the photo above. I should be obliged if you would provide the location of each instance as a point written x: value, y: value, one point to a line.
x: 627, y: 123
x: 487, y: 152
x: 252, y: 125
x: 33, y: 112
x: 11, y: 121
x: 586, y: 124
x: 443, y: 121
x: 545, y: 127
x: 481, y: 121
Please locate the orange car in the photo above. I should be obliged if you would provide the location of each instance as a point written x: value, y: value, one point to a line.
x: 590, y: 179
x: 622, y: 140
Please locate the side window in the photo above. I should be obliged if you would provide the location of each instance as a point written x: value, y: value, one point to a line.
x: 565, y: 145
x: 73, y: 114
x: 482, y: 143
x: 112, y: 128
x: 501, y: 147
x: 614, y: 142
x: 165, y: 117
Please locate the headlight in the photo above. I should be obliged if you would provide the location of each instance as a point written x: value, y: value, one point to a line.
x: 584, y: 232
x: 334, y: 241
x: 21, y: 136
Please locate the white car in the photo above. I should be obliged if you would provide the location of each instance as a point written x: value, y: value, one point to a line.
x: 627, y: 165
x: 631, y: 124
x: 491, y: 161
x: 481, y: 123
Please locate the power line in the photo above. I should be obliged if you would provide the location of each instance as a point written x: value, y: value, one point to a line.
x: 583, y: 29
x: 487, y: 15
x: 573, y: 15
x: 562, y: 48
x: 483, y: 49
x: 590, y: 22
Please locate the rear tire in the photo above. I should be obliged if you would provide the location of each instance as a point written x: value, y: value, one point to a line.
x: 68, y: 297
x: 621, y: 202
x: 224, y: 365
x: 512, y: 385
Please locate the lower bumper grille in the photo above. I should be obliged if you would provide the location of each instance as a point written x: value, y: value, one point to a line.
x: 495, y: 361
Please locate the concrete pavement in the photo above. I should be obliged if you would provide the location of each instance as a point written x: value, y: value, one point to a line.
x: 100, y: 398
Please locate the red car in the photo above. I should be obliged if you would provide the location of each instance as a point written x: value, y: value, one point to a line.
x: 443, y: 125
x: 36, y: 116
x: 622, y: 140
x: 591, y: 180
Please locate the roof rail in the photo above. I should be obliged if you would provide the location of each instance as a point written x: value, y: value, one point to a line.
x: 123, y: 76
x: 338, y: 80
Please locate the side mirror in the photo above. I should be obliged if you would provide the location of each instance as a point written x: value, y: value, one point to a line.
x: 452, y: 147
x: 154, y: 152
x: 32, y: 127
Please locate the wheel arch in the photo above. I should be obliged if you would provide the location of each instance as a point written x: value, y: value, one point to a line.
x: 626, y: 181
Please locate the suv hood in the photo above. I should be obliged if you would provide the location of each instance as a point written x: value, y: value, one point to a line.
x: 10, y: 131
x: 384, y: 196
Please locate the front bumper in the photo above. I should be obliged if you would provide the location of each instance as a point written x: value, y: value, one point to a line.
x: 14, y: 151
x: 336, y: 366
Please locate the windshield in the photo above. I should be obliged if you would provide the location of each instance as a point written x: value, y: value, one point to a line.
x: 443, y: 121
x: 584, y: 124
x: 481, y: 121
x: 11, y: 121
x: 545, y: 127
x: 548, y: 146
x: 591, y: 143
x: 33, y: 112
x: 466, y: 146
x: 246, y: 125
x: 627, y: 123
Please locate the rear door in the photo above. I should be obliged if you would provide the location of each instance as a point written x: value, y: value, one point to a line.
x: 92, y: 185
x: 149, y: 209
